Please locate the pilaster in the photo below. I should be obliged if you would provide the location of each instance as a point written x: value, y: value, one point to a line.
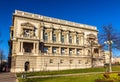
x: 41, y: 35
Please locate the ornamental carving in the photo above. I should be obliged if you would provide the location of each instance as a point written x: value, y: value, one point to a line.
x: 28, y: 29
x: 27, y: 25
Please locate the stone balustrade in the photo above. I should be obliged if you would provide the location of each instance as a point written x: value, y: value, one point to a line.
x: 49, y: 19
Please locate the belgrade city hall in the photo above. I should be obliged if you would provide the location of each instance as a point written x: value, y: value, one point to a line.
x: 41, y: 43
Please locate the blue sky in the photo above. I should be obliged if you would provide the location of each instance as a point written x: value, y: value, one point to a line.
x: 92, y: 12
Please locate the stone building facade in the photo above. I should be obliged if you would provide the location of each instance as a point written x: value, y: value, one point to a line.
x: 40, y: 43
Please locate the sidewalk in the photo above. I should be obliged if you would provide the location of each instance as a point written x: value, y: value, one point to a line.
x: 8, y: 77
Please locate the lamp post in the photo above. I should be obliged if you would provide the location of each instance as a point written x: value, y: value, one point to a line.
x: 91, y: 45
x: 0, y: 62
x: 109, y: 43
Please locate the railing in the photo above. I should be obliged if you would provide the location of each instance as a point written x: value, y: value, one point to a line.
x: 45, y: 18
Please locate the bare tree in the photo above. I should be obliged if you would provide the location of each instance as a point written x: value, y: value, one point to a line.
x: 110, y: 37
x: 1, y: 58
x: 0, y: 38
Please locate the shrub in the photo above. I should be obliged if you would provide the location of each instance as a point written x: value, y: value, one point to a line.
x: 109, y: 77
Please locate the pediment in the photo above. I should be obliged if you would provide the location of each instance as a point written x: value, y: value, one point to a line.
x: 91, y: 36
x: 27, y: 24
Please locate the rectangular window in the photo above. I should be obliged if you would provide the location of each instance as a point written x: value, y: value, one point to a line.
x: 46, y: 37
x: 54, y: 50
x: 51, y: 60
x: 70, y: 51
x: 45, y: 49
x: 79, y: 62
x: 26, y: 32
x: 70, y: 39
x: 77, y: 40
x: 78, y: 52
x: 61, y: 61
x: 62, y: 38
x: 71, y: 61
x: 62, y: 50
x: 96, y: 50
x: 54, y: 37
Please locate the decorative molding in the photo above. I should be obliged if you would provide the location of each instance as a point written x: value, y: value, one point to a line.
x: 54, y: 20
x: 27, y: 24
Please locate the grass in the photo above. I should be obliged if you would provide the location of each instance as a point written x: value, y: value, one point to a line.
x: 72, y: 71
x: 80, y: 78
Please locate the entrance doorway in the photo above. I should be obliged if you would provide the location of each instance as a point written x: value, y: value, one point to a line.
x: 27, y: 66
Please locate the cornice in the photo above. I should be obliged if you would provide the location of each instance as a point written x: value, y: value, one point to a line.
x: 53, y: 20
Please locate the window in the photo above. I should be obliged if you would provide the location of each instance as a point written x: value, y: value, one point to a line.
x: 63, y: 51
x: 62, y: 38
x: 45, y: 37
x: 96, y: 50
x: 78, y: 51
x: 86, y: 62
x: 12, y: 34
x: 61, y: 61
x: 70, y: 39
x: 79, y: 62
x: 70, y: 51
x: 45, y: 49
x: 54, y: 37
x: 28, y: 47
x: 54, y: 50
x: 71, y: 61
x: 26, y: 32
x: 51, y: 60
x: 77, y: 40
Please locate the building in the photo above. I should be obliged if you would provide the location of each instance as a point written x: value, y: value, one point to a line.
x: 40, y: 43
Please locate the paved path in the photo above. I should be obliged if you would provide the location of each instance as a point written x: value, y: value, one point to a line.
x: 8, y: 77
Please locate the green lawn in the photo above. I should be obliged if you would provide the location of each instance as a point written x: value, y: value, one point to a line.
x: 72, y: 71
x: 80, y: 78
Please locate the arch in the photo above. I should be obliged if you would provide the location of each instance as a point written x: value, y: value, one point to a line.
x: 27, y: 66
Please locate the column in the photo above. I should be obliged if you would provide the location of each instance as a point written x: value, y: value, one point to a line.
x: 68, y: 51
x: 37, y: 47
x: 67, y: 37
x: 82, y: 40
x: 34, y: 47
x: 21, y: 47
x: 41, y: 34
x: 50, y: 52
x: 60, y: 50
x: 75, y: 51
x: 75, y: 39
x: 49, y: 31
x: 59, y: 36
